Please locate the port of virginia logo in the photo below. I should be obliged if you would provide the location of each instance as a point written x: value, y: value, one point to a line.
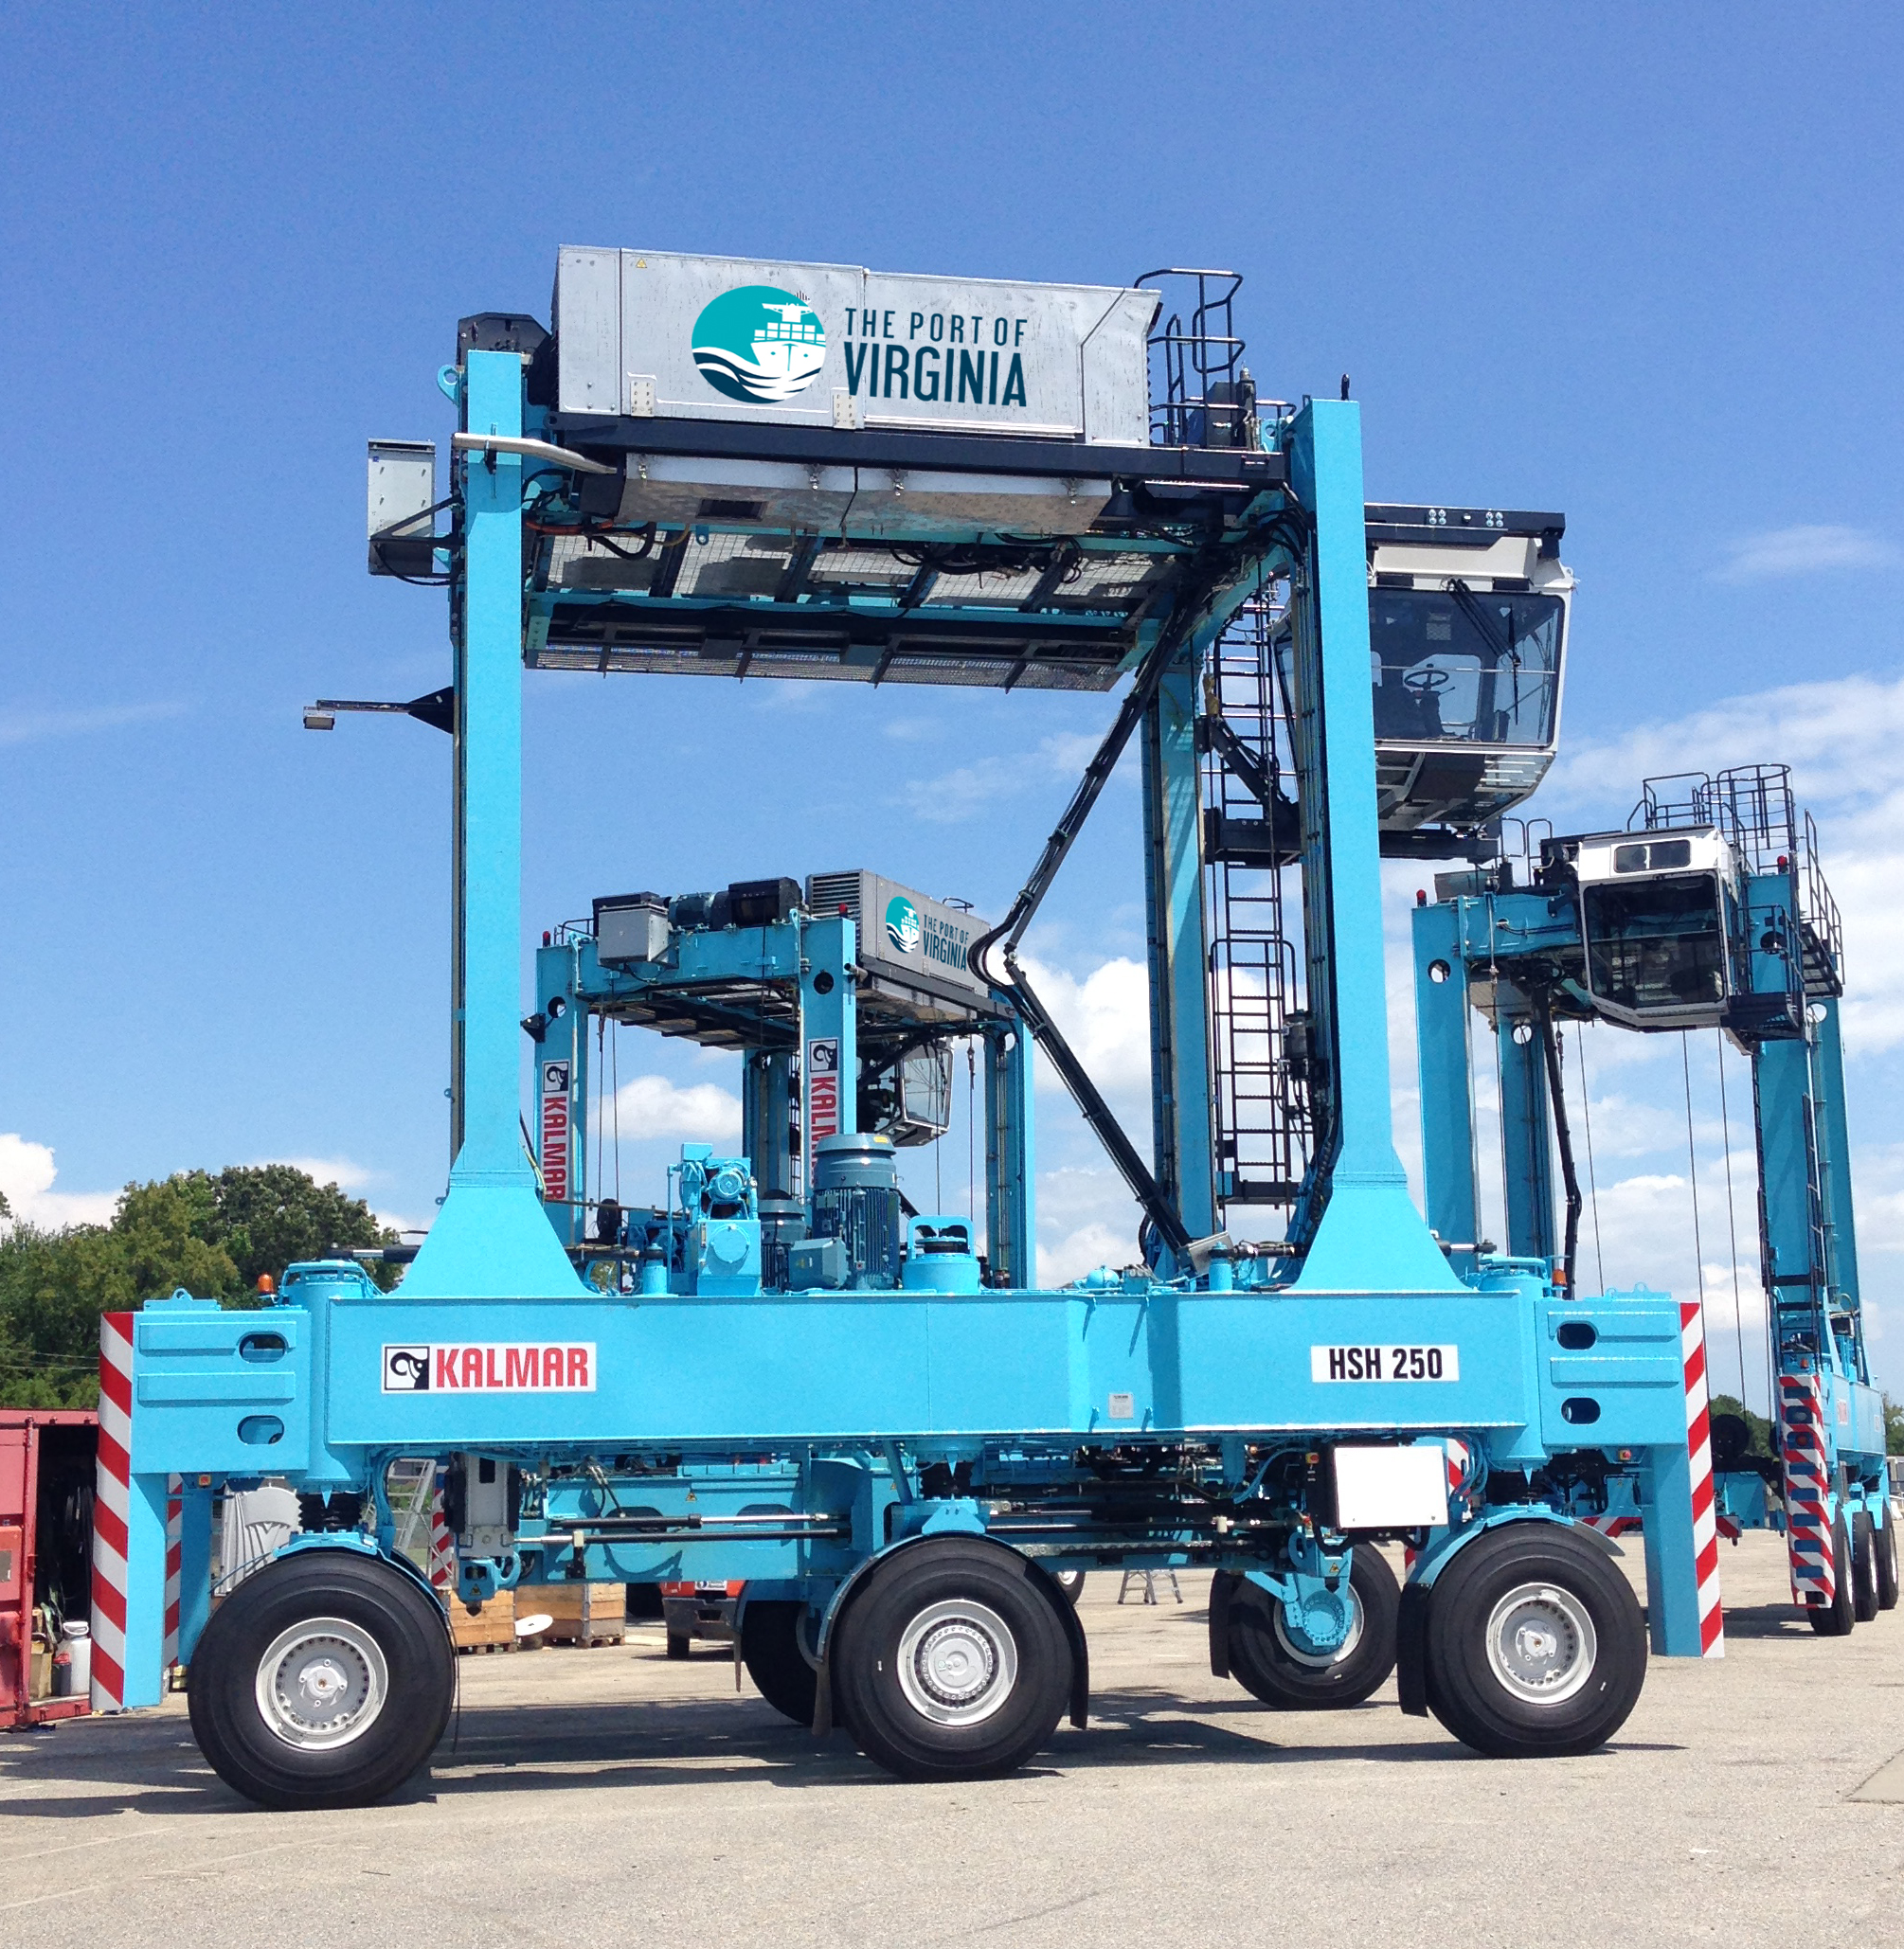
x: 760, y: 344
x: 902, y: 923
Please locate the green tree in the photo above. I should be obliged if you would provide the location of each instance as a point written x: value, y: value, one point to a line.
x: 212, y: 1235
x: 1893, y: 1426
x: 268, y: 1216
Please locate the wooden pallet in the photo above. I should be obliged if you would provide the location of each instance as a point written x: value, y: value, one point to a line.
x: 583, y: 1613
x: 492, y: 1627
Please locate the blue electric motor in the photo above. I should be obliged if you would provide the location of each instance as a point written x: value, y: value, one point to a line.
x: 856, y: 1200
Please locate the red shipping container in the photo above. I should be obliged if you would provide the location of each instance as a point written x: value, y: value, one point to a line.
x: 45, y: 1543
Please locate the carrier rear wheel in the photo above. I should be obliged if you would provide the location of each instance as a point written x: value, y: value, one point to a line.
x: 1536, y: 1644
x: 324, y: 1680
x: 1863, y: 1570
x: 1283, y: 1668
x: 771, y: 1633
x: 1886, y: 1555
x: 953, y: 1663
x: 1836, y: 1619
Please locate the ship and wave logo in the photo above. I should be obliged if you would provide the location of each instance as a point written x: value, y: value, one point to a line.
x: 759, y: 345
x: 902, y: 929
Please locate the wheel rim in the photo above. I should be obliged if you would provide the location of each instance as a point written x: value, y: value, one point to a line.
x: 958, y: 1662
x: 1542, y: 1643
x: 322, y: 1683
x: 1299, y: 1650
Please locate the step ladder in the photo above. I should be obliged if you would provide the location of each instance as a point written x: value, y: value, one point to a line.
x: 1147, y: 1578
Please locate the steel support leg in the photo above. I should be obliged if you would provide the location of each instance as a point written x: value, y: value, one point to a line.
x: 1526, y: 1143
x: 1450, y: 1176
x: 1672, y: 1553
x: 1182, y: 1121
x: 194, y: 1568
x: 492, y: 1238
x: 1368, y: 1234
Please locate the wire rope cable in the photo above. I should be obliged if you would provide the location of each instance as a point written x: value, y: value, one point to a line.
x: 615, y: 1098
x: 1732, y: 1217
x: 1587, y: 1124
x: 1693, y: 1176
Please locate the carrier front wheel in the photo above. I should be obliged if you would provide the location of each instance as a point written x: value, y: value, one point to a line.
x: 324, y: 1680
x: 1536, y: 1644
x: 1836, y: 1619
x: 953, y: 1663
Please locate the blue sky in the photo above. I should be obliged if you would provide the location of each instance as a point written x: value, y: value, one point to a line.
x: 1639, y: 263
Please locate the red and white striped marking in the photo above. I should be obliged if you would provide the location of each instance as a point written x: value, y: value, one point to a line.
x: 174, y: 1553
x: 112, y: 1508
x: 1807, y: 1483
x: 442, y: 1551
x: 1700, y: 1455
x: 1611, y: 1526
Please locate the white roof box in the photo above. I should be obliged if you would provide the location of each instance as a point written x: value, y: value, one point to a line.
x: 651, y: 333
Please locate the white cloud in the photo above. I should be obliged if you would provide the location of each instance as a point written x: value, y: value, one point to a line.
x: 1804, y: 550
x: 1844, y: 743
x: 652, y: 1107
x: 30, y: 726
x: 26, y: 1175
x: 347, y: 1174
x: 1086, y: 1218
x: 1106, y: 1018
x: 949, y: 797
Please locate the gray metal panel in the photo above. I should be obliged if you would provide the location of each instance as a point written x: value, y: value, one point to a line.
x: 937, y: 952
x: 663, y: 295
x: 1052, y: 360
x: 402, y: 481
x: 1116, y: 410
x: 587, y: 313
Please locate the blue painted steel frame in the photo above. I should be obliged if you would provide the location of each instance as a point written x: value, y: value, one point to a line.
x: 1804, y: 1170
x: 834, y: 1381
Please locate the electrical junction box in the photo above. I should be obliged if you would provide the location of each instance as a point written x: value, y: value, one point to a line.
x: 488, y: 1527
x: 817, y: 1263
x: 654, y: 334
x: 630, y: 927
x: 904, y: 936
x: 1383, y: 1488
x: 403, y: 484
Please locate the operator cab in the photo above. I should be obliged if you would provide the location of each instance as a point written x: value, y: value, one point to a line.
x: 1660, y: 916
x: 1467, y: 627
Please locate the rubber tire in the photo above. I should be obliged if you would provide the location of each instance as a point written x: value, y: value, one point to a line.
x: 1259, y: 1662
x: 1463, y: 1693
x: 771, y: 1649
x: 888, y: 1729
x: 410, y: 1629
x: 1836, y: 1619
x: 679, y: 1647
x: 1071, y: 1585
x: 1886, y: 1555
x: 1863, y: 1568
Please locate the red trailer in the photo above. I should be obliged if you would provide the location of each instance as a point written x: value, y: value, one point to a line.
x: 46, y: 1459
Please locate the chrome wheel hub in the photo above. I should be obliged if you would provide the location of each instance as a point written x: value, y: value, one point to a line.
x: 958, y: 1662
x: 322, y: 1683
x: 1542, y: 1643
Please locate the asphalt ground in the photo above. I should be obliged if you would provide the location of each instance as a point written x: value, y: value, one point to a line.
x: 608, y: 1795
